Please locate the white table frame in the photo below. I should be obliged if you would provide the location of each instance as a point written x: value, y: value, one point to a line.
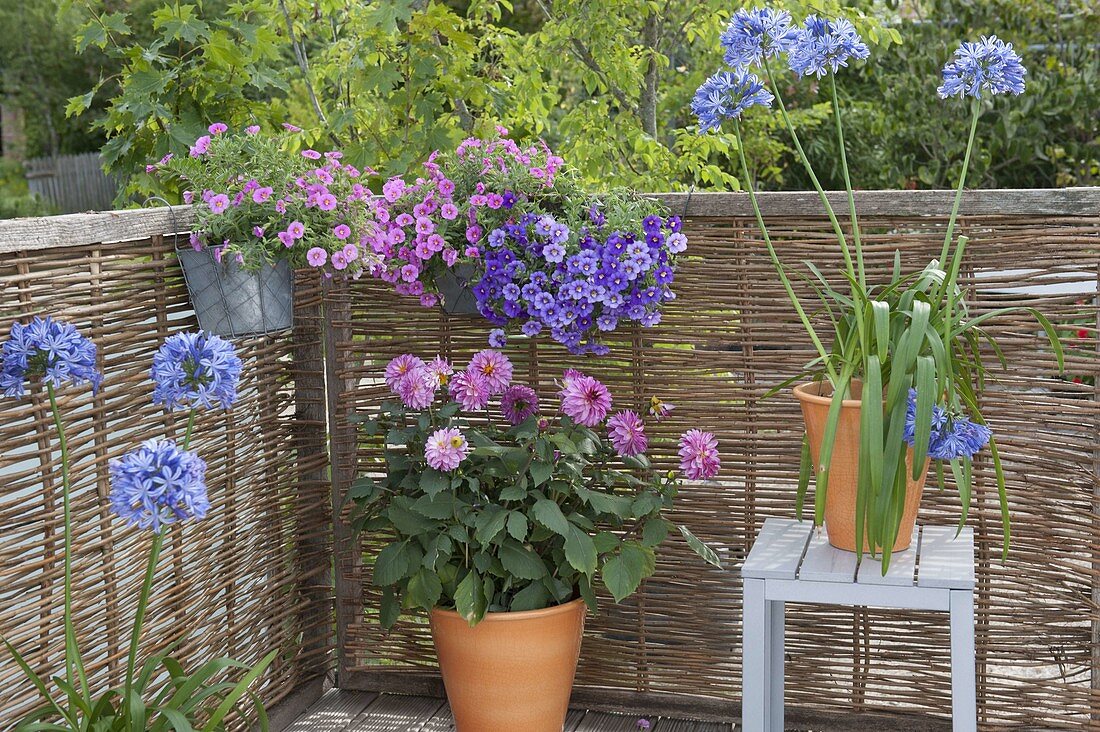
x: 792, y: 563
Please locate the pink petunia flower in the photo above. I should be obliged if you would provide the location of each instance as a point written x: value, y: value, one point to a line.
x: 341, y: 231
x: 446, y: 449
x: 339, y: 261
x: 287, y: 240
x: 217, y: 128
x: 201, y: 146
x: 627, y: 433
x: 351, y: 252
x: 261, y: 194
x: 291, y: 128
x: 495, y: 367
x: 410, y: 272
x: 586, y: 400
x: 317, y: 257
x: 449, y: 211
x: 399, y: 367
x: 296, y: 229
x: 327, y: 202
x: 252, y: 129
x: 428, y: 300
x: 471, y: 390
x: 311, y: 154
x: 188, y: 197
x: 258, y: 232
x: 450, y: 256
x: 699, y: 455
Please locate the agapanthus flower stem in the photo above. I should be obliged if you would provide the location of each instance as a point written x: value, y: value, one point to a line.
x: 848, y: 183
x: 975, y: 113
x: 73, y: 664
x: 822, y: 352
x: 810, y: 171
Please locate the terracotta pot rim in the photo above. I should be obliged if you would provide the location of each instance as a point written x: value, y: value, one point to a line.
x: 500, y: 617
x: 808, y: 392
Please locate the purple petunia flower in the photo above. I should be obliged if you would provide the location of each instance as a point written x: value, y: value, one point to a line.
x: 627, y: 433
x: 497, y: 337
x: 50, y: 349
x: 585, y: 400
x: 518, y: 403
x: 195, y: 369
x: 158, y: 484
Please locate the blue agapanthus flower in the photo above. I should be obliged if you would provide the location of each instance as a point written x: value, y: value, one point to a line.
x: 726, y: 95
x: 195, y: 370
x: 825, y: 45
x: 989, y: 66
x: 159, y: 484
x: 50, y: 349
x: 753, y: 35
x: 952, y: 436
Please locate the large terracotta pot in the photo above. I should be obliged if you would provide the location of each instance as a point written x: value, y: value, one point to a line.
x: 840, y: 499
x: 511, y: 671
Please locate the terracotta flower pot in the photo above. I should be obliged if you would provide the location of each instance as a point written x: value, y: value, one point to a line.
x: 511, y: 671
x: 840, y: 499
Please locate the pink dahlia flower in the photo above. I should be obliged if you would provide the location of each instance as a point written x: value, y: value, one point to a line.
x: 441, y: 369
x: 699, y: 455
x: 627, y: 433
x: 495, y: 367
x: 518, y: 403
x: 399, y: 367
x: 586, y: 400
x: 471, y: 390
x: 417, y: 388
x: 445, y: 449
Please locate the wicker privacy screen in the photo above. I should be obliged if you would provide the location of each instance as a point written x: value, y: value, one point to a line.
x: 249, y: 578
x: 728, y: 339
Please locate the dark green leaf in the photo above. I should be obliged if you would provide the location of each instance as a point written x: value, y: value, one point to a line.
x: 521, y: 562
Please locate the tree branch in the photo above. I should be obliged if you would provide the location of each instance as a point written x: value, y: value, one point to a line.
x: 303, y: 64
x: 585, y: 55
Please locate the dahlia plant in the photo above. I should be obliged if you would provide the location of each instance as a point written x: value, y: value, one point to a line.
x: 259, y: 199
x: 490, y: 501
x: 153, y: 487
x: 911, y: 339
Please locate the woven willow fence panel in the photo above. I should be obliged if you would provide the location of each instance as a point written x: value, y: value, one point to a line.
x: 729, y: 338
x: 240, y: 583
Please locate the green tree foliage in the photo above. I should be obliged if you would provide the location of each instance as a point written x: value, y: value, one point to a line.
x: 608, y: 84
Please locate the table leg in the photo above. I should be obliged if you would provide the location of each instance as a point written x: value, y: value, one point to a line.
x: 756, y: 659
x: 964, y: 706
x: 776, y: 609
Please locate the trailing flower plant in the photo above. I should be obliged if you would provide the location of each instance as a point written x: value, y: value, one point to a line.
x: 260, y: 200
x: 911, y: 339
x: 493, y: 502
x: 154, y: 487
x: 541, y: 255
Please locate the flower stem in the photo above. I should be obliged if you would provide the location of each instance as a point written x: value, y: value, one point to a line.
x: 833, y: 377
x: 975, y: 107
x: 73, y: 663
x: 837, y: 228
x: 848, y: 183
x: 147, y: 584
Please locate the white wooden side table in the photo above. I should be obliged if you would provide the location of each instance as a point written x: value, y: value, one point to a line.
x: 790, y: 562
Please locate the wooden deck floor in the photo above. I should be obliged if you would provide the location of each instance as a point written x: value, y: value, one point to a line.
x: 360, y: 711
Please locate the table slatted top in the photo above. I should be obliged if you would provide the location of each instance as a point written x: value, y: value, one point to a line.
x: 788, y: 549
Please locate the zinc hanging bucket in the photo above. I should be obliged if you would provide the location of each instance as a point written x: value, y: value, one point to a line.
x: 234, y: 302
x: 456, y: 289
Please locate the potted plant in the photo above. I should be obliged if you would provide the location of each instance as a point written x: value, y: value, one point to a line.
x: 264, y: 208
x: 155, y: 486
x: 894, y: 383
x: 503, y: 517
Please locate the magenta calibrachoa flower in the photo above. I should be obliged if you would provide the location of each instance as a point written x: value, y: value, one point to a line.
x: 445, y: 449
x: 627, y: 433
x: 699, y: 455
x: 585, y: 400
